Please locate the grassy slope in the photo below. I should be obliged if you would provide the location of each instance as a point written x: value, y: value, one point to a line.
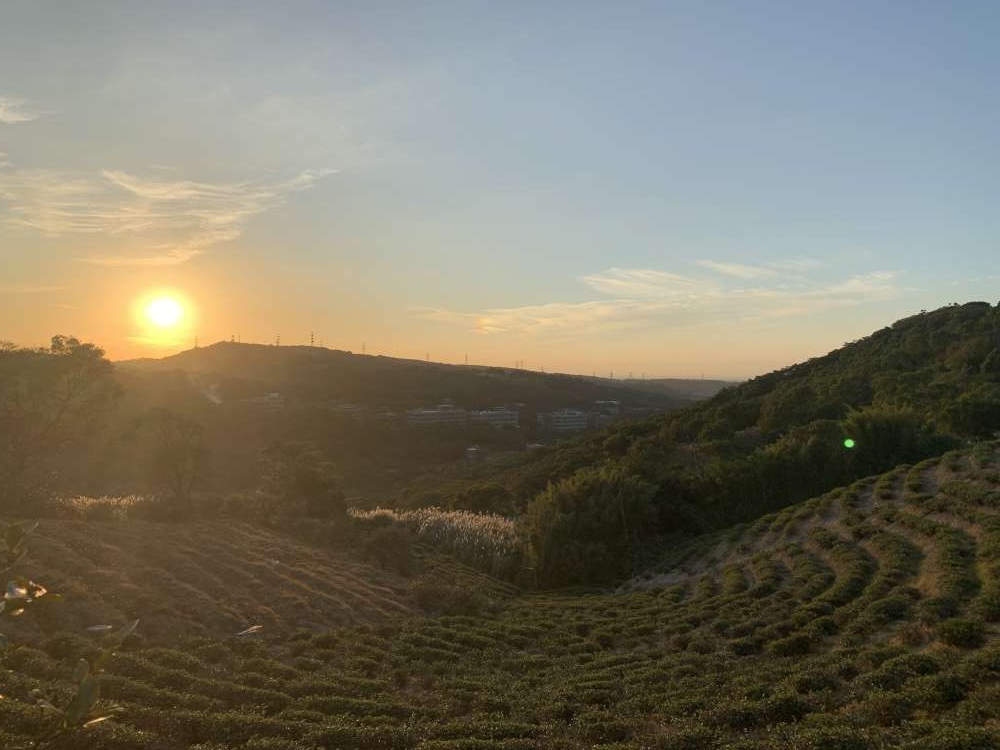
x: 863, y: 618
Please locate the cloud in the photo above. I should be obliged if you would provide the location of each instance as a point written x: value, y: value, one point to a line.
x: 646, y: 297
x: 12, y: 111
x: 638, y: 282
x: 797, y: 265
x: 172, y: 221
x: 738, y: 269
x: 975, y: 280
x: 19, y: 289
x: 554, y: 317
x: 4, y: 161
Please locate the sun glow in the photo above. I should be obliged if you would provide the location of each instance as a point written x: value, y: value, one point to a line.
x: 163, y: 318
x: 164, y: 312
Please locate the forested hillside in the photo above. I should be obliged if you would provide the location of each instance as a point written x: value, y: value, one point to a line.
x: 909, y: 391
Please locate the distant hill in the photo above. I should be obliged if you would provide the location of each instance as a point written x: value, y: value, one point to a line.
x: 312, y: 373
x: 694, y: 389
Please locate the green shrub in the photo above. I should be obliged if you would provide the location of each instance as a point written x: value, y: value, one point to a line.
x: 391, y: 548
x: 957, y: 738
x: 937, y: 608
x: 793, y: 645
x: 961, y: 632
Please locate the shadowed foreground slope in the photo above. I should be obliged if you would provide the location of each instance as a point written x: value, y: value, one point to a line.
x: 201, y: 579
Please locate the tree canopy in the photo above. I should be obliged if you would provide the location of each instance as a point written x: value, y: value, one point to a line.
x: 49, y: 398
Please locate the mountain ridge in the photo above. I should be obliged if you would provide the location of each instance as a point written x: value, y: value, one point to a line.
x: 368, y: 378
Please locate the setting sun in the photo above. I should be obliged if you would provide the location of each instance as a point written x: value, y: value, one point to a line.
x: 164, y: 312
x: 162, y: 318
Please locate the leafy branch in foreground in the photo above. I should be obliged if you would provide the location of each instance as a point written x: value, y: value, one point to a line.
x: 18, y: 595
x: 19, y: 592
x: 79, y: 712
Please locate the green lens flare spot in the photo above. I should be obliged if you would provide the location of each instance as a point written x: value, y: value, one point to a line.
x: 849, y: 443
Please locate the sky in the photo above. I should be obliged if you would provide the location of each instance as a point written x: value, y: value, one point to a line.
x: 660, y: 189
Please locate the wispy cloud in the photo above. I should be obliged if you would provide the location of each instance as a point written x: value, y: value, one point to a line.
x: 639, y: 297
x: 627, y: 282
x: 797, y: 265
x: 13, y: 111
x: 738, y: 270
x: 555, y: 317
x: 975, y: 280
x: 28, y: 289
x: 172, y: 221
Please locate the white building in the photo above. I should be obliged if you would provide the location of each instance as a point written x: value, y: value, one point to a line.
x: 270, y: 402
x: 606, y: 413
x: 355, y: 411
x: 440, y: 414
x: 565, y: 420
x: 498, y: 417
x: 609, y: 408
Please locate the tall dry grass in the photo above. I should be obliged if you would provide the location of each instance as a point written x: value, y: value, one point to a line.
x: 103, y: 508
x: 482, y: 540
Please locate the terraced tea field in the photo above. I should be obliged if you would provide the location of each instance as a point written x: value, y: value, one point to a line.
x: 866, y: 618
x: 205, y: 579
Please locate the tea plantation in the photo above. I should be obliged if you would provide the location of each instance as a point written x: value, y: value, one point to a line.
x: 865, y: 618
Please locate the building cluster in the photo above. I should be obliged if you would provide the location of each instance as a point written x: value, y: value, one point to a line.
x: 447, y: 413
x: 601, y: 414
x: 268, y: 402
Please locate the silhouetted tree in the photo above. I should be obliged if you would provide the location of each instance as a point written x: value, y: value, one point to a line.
x: 49, y: 397
x: 298, y: 474
x: 178, y: 458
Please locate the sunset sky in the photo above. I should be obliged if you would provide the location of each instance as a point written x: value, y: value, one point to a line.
x: 673, y: 189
